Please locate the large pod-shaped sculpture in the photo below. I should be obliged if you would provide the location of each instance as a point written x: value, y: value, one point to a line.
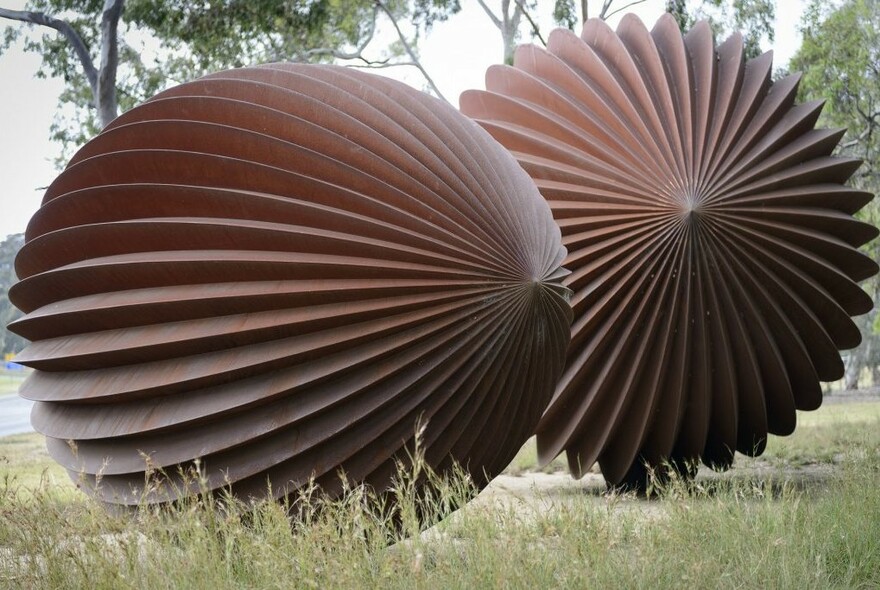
x: 282, y: 270
x: 711, y: 241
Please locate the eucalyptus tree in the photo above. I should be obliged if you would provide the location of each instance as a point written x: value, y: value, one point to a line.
x: 114, y: 54
x: 840, y: 63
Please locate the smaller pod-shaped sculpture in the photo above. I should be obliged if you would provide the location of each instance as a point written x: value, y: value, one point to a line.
x: 711, y: 241
x: 282, y: 271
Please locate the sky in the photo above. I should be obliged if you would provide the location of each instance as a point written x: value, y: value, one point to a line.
x: 456, y: 54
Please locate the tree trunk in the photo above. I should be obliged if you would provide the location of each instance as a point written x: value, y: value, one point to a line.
x: 101, y: 81
x: 854, y: 363
x: 105, y: 93
x: 509, y: 27
x: 864, y: 355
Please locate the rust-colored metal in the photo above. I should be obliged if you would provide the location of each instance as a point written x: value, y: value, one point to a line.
x: 281, y: 270
x: 711, y: 241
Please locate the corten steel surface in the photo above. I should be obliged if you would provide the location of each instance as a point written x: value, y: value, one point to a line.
x: 710, y: 237
x: 281, y: 270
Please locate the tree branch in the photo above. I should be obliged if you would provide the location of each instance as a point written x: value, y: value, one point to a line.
x: 868, y: 117
x: 63, y: 27
x: 854, y: 142
x: 511, y: 22
x: 409, y: 50
x: 380, y: 65
x: 495, y: 20
x: 606, y: 15
x: 534, y: 25
x: 358, y: 51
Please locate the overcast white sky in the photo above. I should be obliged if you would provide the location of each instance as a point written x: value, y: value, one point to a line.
x: 456, y: 54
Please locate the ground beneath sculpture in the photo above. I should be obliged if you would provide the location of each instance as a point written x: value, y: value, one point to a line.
x: 797, y: 462
x: 805, y: 506
x: 534, y: 490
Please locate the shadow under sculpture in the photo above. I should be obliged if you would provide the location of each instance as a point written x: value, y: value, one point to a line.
x: 712, y: 248
x: 281, y: 270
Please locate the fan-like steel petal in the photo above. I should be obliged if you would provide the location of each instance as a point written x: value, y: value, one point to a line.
x: 713, y: 254
x: 281, y: 271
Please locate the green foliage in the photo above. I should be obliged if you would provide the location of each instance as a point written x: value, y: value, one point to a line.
x: 679, y: 10
x: 235, y: 33
x: 840, y: 64
x: 565, y: 14
x: 753, y: 18
x: 167, y: 42
x: 11, y: 343
x: 427, y: 12
x: 60, y: 61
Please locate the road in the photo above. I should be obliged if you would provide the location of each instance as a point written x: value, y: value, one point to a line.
x: 15, y: 415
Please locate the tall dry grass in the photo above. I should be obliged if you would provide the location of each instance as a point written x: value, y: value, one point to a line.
x: 749, y: 528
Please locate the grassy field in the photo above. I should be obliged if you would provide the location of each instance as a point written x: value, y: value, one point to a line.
x: 804, y: 515
x: 10, y: 381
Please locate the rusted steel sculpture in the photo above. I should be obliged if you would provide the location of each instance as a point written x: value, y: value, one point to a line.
x: 281, y: 270
x: 711, y: 241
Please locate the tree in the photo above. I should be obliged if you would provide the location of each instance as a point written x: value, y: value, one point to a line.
x: 59, y: 52
x: 235, y: 33
x: 11, y: 343
x: 753, y: 18
x: 512, y: 12
x: 565, y: 13
x: 840, y: 63
x: 186, y: 39
x: 96, y: 47
x: 508, y: 23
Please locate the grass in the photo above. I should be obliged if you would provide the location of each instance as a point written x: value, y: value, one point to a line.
x: 25, y: 463
x: 826, y: 435
x: 526, y: 460
x: 820, y: 438
x: 758, y: 525
x: 10, y: 381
